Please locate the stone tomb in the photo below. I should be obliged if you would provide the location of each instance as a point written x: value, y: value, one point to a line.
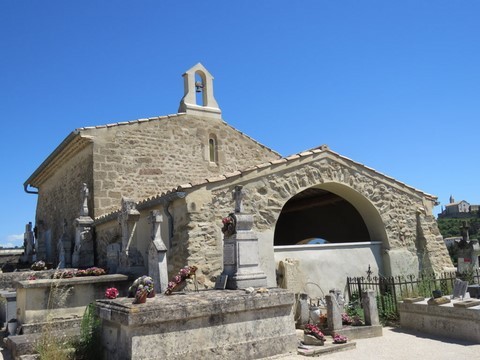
x: 33, y: 296
x: 210, y: 324
x: 448, y: 320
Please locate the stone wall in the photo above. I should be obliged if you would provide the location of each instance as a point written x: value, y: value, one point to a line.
x: 393, y: 212
x: 142, y: 159
x: 397, y: 216
x: 60, y: 198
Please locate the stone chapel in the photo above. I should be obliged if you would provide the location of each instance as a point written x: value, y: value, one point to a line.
x: 329, y: 215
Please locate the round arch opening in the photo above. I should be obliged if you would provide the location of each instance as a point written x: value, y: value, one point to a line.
x: 330, y: 213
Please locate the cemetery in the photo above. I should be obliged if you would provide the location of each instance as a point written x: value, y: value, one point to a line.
x: 217, y: 252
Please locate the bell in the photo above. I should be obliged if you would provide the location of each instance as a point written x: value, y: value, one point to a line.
x: 198, y: 86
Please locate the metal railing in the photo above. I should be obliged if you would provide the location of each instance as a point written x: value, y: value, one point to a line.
x: 392, y: 289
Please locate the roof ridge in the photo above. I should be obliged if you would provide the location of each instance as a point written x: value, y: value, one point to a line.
x: 130, y: 122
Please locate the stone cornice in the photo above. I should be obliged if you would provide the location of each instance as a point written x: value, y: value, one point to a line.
x: 69, y: 147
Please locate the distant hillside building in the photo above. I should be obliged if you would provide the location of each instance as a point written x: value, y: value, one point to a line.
x: 458, y: 209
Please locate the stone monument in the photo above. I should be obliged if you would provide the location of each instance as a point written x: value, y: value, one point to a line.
x: 468, y: 252
x: 130, y: 259
x: 157, y: 254
x: 83, y: 250
x: 28, y: 244
x: 240, y: 248
x: 64, y: 249
x: 113, y: 257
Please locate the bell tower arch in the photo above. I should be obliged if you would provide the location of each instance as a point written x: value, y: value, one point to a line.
x: 198, y: 80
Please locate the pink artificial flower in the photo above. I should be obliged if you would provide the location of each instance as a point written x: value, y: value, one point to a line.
x: 111, y: 293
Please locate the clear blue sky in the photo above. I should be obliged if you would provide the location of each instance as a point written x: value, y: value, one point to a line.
x: 391, y: 84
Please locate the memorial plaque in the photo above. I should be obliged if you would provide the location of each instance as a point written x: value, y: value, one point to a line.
x: 229, y: 254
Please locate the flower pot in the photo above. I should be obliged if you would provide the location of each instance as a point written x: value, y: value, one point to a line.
x: 141, y: 297
x: 151, y: 294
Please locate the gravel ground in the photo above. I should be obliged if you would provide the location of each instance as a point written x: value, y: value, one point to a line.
x: 395, y: 344
x: 399, y: 344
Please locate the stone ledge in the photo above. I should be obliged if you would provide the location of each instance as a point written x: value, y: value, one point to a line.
x: 19, y: 345
x: 327, y: 348
x: 190, y: 305
x: 361, y: 332
x: 442, y: 320
x: 210, y: 324
x: 39, y: 283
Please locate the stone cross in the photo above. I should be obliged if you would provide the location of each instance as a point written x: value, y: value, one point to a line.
x: 238, y: 195
x: 468, y: 251
x: 157, y: 253
x: 464, y: 230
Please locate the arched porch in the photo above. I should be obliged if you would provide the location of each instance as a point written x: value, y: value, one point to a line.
x: 332, y: 232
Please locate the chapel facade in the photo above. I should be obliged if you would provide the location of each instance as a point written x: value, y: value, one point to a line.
x: 333, y: 215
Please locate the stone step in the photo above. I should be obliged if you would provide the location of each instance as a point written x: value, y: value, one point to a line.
x: 53, y: 325
x: 326, y: 348
x: 20, y: 345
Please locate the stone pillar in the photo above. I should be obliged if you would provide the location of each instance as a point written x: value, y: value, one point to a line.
x: 83, y: 251
x: 369, y: 303
x: 157, y: 254
x: 334, y: 313
x: 240, y: 249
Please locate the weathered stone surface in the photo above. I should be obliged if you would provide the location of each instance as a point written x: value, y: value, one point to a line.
x: 39, y: 299
x: 445, y: 320
x: 466, y: 303
x: 211, y: 324
x: 413, y: 300
x: 360, y: 332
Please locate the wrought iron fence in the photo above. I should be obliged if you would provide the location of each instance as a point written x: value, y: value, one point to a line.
x: 392, y: 289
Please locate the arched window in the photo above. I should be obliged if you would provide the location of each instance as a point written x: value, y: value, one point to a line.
x: 212, y: 149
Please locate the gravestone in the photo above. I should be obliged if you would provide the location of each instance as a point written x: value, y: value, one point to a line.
x: 369, y: 305
x: 459, y: 288
x: 41, y: 238
x: 240, y: 249
x: 157, y: 254
x: 28, y: 244
x: 83, y: 251
x: 130, y: 259
x: 64, y: 249
x: 113, y: 257
x: 334, y: 312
